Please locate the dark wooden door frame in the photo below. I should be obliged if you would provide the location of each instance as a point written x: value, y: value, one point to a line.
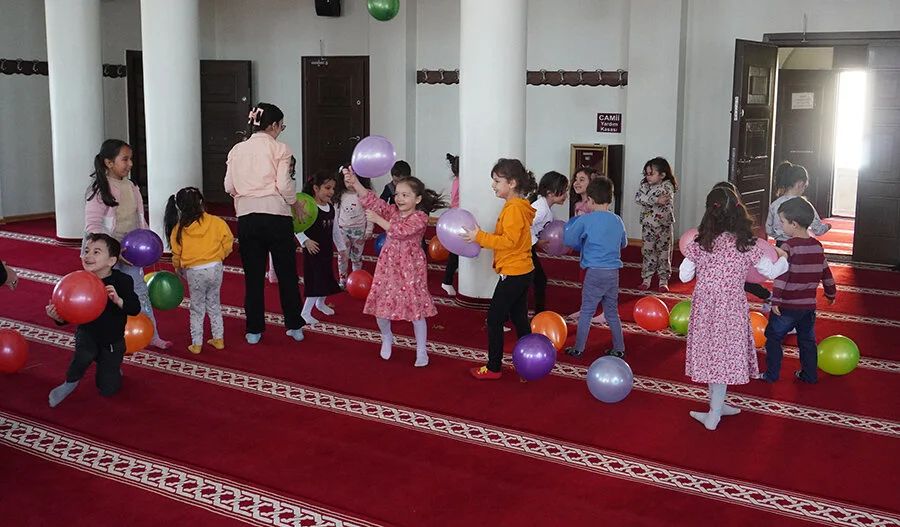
x: 830, y: 39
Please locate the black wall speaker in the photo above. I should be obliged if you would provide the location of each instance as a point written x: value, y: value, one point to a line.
x: 328, y: 7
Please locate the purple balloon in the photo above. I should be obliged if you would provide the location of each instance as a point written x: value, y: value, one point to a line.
x: 142, y: 247
x: 610, y: 379
x: 373, y: 157
x: 553, y: 235
x: 533, y: 356
x: 450, y: 227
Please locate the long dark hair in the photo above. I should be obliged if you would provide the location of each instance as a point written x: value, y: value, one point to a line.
x: 319, y: 178
x: 453, y: 161
x: 183, y: 209
x: 663, y: 167
x: 340, y: 187
x: 591, y: 173
x: 109, y: 151
x: 262, y: 116
x: 787, y: 175
x: 514, y: 170
x: 431, y: 200
x: 725, y: 213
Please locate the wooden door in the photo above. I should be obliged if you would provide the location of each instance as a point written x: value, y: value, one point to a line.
x: 804, y: 129
x: 137, y: 135
x: 877, y: 231
x: 752, y: 114
x: 224, y: 104
x: 335, y: 110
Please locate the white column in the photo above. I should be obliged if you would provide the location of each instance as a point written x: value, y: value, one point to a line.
x: 76, y: 105
x: 171, y: 55
x: 491, y: 116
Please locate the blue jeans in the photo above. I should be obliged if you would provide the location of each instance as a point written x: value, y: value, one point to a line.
x: 601, y: 286
x: 804, y: 320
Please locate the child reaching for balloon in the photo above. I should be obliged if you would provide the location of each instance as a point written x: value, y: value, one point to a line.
x: 511, y: 242
x: 552, y: 190
x: 656, y: 196
x: 400, y: 286
x: 720, y: 349
x: 103, y: 339
x: 353, y: 227
x: 200, y: 242
x: 318, y: 247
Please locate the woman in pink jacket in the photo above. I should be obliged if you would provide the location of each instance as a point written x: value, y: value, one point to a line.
x: 258, y: 178
x: 114, y: 206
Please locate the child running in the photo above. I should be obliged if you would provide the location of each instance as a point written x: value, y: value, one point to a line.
x: 552, y: 190
x: 400, y: 286
x: 791, y: 182
x: 656, y: 196
x: 200, y: 242
x: 318, y: 247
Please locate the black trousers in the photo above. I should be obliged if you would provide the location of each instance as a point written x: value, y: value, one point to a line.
x: 540, y: 282
x: 108, y: 358
x: 450, y: 270
x: 510, y: 302
x: 260, y: 235
x: 757, y: 290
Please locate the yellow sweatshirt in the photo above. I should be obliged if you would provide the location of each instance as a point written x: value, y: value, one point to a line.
x: 205, y: 241
x: 511, y: 240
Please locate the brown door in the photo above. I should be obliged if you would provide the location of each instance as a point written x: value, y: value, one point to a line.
x: 877, y: 231
x: 224, y: 104
x: 804, y: 129
x: 335, y: 110
x: 752, y: 113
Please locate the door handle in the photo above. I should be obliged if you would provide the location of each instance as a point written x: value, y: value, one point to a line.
x: 354, y: 138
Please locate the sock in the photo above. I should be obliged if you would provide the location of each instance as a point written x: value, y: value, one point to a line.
x: 61, y: 392
x: 716, y: 404
x: 727, y: 409
x: 308, y: 305
x: 420, y: 328
x: 449, y: 289
x: 323, y: 307
x: 296, y: 334
x: 387, y: 337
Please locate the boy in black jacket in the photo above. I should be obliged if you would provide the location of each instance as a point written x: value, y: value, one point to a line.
x: 103, y: 340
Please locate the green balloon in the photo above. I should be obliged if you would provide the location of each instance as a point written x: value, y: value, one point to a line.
x: 166, y: 290
x: 680, y: 316
x: 384, y: 10
x: 310, y: 209
x: 838, y: 355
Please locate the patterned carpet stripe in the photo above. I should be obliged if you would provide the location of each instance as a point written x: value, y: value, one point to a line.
x: 538, y: 447
x: 187, y: 485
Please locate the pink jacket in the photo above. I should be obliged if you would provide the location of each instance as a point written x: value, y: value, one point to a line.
x: 98, y: 217
x: 258, y: 176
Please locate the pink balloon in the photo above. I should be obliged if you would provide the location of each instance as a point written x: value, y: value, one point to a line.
x: 768, y: 252
x: 450, y: 227
x: 373, y: 157
x: 686, y: 239
x: 553, y: 235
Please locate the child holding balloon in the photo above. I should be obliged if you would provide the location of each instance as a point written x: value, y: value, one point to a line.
x: 400, y: 286
x: 318, y: 247
x: 551, y: 191
x: 511, y: 242
x: 114, y: 206
x: 353, y: 227
x: 720, y: 349
x: 103, y: 339
x: 656, y: 196
x: 200, y: 242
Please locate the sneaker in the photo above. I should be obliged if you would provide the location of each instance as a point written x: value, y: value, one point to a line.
x: 449, y: 289
x: 765, y: 378
x: 219, y: 344
x: 195, y: 348
x: 296, y: 334
x: 572, y: 352
x: 793, y: 331
x: 599, y: 319
x: 482, y: 373
x: 616, y: 353
x: 799, y: 375
x: 160, y: 343
x: 766, y: 306
x: 253, y: 338
x: 644, y: 286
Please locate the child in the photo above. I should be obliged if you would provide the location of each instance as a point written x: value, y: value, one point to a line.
x: 200, y: 242
x: 114, y: 206
x: 580, y: 180
x: 790, y: 182
x: 103, y: 340
x: 794, y: 295
x: 511, y: 243
x: 600, y: 236
x: 318, y: 247
x: 551, y: 191
x: 720, y: 347
x: 400, y: 170
x: 400, y: 285
x: 453, y: 259
x: 353, y: 228
x: 656, y: 197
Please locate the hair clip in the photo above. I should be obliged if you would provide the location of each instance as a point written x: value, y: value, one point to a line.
x: 254, y: 116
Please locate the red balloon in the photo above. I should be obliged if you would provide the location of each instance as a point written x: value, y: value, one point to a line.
x: 13, y: 351
x: 138, y: 333
x: 651, y: 314
x: 79, y: 297
x: 437, y: 251
x: 358, y: 284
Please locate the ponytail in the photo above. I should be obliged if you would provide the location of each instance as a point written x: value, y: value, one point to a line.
x: 109, y: 150
x: 182, y: 210
x: 170, y: 218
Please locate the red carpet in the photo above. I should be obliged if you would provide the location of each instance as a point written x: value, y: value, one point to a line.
x: 326, y: 433
x: 839, y: 240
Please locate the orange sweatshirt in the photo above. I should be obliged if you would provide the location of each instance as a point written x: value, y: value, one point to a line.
x: 511, y: 240
x: 205, y: 241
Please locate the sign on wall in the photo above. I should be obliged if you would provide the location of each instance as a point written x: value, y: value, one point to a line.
x: 610, y: 123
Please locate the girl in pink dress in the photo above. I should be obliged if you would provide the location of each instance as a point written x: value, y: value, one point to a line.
x: 720, y: 347
x: 400, y: 287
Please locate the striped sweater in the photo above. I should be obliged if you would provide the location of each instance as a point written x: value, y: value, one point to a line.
x: 796, y: 289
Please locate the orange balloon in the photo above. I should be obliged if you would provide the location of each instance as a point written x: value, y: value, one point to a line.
x: 437, y: 251
x: 758, y: 324
x: 138, y: 333
x: 651, y: 314
x: 552, y: 326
